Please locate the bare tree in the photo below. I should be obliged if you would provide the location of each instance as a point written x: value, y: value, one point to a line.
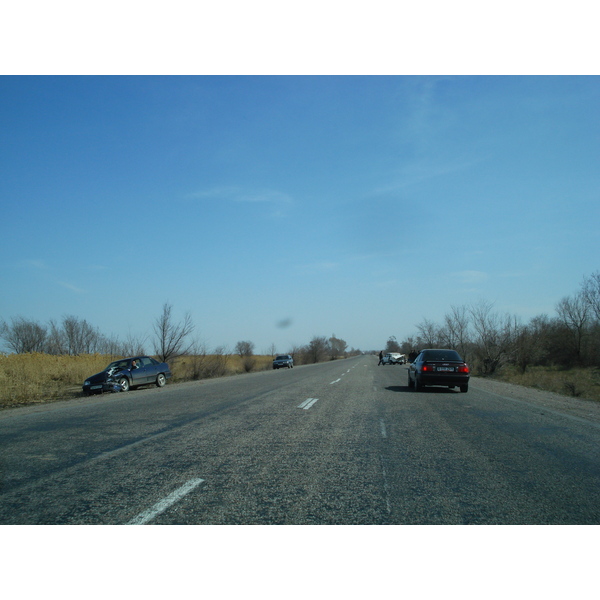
x: 573, y: 313
x: 495, y: 336
x: 455, y: 332
x: 56, y: 342
x: 133, y: 345
x: 170, y: 337
x: 392, y: 345
x: 337, y: 347
x: 316, y: 350
x: 80, y: 336
x: 429, y: 333
x: 591, y: 293
x: 244, y: 349
x: 295, y: 351
x: 24, y: 335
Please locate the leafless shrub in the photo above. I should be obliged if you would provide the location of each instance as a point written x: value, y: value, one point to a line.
x: 171, y: 339
x: 217, y: 362
x: 249, y: 363
x: 571, y: 388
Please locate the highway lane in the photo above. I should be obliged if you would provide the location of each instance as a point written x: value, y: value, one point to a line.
x: 336, y: 443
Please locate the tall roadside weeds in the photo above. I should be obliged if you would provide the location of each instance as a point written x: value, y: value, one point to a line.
x: 576, y: 382
x: 38, y: 378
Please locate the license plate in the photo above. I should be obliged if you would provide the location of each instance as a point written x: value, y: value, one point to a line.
x: 446, y: 369
x: 96, y: 387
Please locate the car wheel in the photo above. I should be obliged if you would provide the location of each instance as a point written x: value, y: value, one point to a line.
x: 124, y: 383
x: 418, y: 386
x: 161, y: 380
x: 464, y: 388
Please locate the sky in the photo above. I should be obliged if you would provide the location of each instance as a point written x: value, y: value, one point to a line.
x: 278, y: 208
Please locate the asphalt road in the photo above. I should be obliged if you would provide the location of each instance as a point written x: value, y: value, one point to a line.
x: 335, y: 443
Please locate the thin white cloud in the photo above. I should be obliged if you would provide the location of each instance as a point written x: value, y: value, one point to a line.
x: 237, y: 194
x: 47, y: 275
x: 425, y: 170
x: 71, y: 287
x: 472, y: 276
x: 33, y: 264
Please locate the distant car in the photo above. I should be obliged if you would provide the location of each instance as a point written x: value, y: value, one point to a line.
x: 439, y: 367
x: 283, y: 360
x: 122, y: 375
x: 394, y: 358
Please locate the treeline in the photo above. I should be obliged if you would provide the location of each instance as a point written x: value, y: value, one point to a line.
x: 488, y: 339
x: 319, y: 349
x: 170, y: 338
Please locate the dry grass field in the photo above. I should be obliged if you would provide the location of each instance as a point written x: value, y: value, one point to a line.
x: 578, y: 382
x: 38, y: 378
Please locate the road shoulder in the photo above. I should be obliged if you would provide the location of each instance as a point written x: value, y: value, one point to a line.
x: 582, y: 408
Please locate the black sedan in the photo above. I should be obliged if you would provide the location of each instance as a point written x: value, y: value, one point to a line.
x: 438, y: 367
x: 122, y: 375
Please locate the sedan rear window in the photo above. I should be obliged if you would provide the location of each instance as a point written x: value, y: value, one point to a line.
x: 441, y: 355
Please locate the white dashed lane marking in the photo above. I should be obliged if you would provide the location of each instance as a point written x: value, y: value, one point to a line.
x: 165, y: 503
x: 383, y: 429
x: 307, y: 403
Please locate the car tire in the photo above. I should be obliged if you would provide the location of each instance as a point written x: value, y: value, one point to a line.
x: 418, y: 386
x: 464, y: 388
x: 161, y: 380
x: 124, y: 383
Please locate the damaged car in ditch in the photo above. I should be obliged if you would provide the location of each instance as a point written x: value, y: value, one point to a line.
x: 128, y: 373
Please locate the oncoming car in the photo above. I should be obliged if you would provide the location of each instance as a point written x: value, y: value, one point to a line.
x: 438, y: 367
x: 283, y: 360
x: 127, y: 373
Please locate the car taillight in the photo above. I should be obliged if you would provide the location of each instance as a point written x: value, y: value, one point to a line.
x: 427, y: 368
x: 463, y: 369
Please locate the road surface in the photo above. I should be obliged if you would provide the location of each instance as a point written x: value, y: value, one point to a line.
x: 344, y: 442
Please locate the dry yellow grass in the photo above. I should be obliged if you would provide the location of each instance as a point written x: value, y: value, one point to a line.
x: 578, y: 382
x: 33, y: 378
x: 38, y: 378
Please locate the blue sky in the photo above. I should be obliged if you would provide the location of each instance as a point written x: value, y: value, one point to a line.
x: 278, y: 208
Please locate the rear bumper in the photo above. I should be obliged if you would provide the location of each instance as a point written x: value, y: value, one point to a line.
x: 443, y: 379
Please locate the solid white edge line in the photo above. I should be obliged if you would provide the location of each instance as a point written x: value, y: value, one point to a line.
x: 165, y: 503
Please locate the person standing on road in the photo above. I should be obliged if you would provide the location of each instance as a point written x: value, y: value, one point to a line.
x: 380, y: 358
